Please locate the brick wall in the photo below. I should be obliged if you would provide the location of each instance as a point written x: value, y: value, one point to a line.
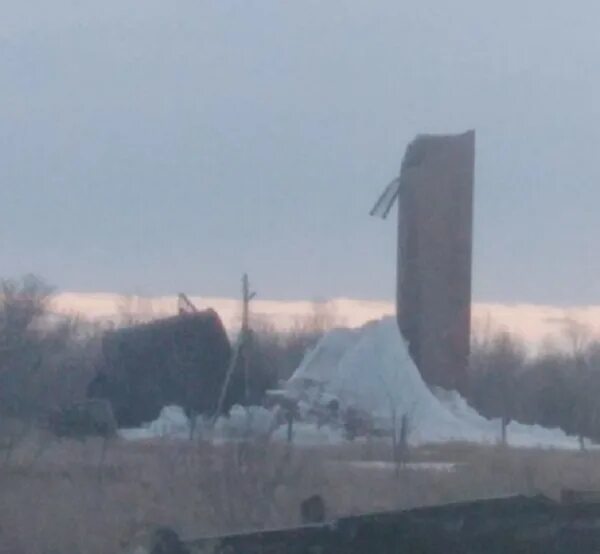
x: 434, y: 255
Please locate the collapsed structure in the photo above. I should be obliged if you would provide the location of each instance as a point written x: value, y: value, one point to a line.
x: 184, y: 360
x: 179, y: 360
x: 435, y: 235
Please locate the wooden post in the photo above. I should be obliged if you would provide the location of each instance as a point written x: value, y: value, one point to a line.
x: 504, y: 421
x: 290, y: 425
x: 239, y: 348
x: 247, y: 296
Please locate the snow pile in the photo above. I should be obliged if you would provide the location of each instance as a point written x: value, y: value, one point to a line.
x: 377, y: 465
x: 519, y: 435
x: 241, y: 423
x: 172, y: 422
x: 370, y: 369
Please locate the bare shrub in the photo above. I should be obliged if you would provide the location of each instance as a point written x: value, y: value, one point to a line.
x: 496, y: 363
x: 44, y: 362
x: 256, y: 484
x: 59, y: 504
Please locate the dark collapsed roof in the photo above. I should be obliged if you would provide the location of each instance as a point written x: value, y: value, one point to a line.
x: 178, y: 360
x: 192, y: 330
x: 204, y: 316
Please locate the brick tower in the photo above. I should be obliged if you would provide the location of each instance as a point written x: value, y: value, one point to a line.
x: 435, y: 236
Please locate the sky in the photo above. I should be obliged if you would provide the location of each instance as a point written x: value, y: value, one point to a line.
x: 154, y: 147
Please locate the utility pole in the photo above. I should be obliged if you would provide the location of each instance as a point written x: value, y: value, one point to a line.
x: 240, y: 346
x: 247, y: 296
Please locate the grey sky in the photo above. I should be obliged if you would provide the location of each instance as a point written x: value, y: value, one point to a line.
x: 153, y: 147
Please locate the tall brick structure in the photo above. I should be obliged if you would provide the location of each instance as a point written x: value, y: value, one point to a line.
x: 435, y: 223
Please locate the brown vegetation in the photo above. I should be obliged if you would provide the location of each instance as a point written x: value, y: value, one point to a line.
x: 95, y: 497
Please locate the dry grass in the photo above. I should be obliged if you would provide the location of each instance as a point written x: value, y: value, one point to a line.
x: 58, y: 497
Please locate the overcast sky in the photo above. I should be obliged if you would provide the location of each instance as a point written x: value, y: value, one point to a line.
x: 153, y: 146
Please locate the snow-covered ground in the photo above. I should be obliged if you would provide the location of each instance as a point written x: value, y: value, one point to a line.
x: 173, y: 423
x: 378, y: 465
x: 255, y: 422
x: 368, y: 368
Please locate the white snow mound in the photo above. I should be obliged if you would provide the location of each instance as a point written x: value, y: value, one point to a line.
x: 370, y: 368
x: 173, y: 423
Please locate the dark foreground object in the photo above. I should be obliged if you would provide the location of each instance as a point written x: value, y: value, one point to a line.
x: 92, y: 417
x: 506, y: 525
x: 178, y: 360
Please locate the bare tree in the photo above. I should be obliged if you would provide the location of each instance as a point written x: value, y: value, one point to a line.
x: 577, y: 337
x: 323, y: 317
x: 134, y: 309
x: 22, y: 304
x: 496, y: 361
x: 400, y: 421
x: 44, y: 362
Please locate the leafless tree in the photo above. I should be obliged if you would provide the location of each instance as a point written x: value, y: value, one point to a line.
x: 134, y: 309
x: 496, y: 361
x: 577, y: 336
x: 44, y: 361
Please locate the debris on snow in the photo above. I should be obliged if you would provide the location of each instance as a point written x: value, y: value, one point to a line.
x: 366, y: 374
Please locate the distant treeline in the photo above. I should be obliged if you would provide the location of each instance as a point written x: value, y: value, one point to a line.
x: 556, y: 387
x: 46, y: 364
